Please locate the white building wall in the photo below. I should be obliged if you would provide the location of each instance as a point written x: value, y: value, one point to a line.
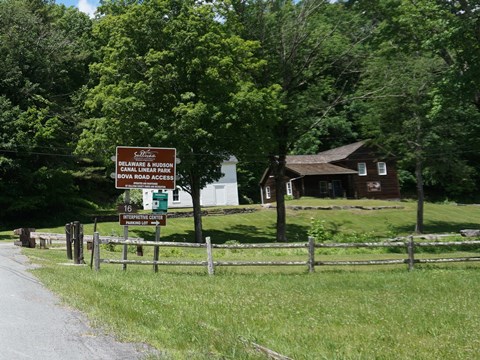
x: 222, y: 192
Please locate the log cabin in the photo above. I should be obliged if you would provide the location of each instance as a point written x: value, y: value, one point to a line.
x: 353, y: 171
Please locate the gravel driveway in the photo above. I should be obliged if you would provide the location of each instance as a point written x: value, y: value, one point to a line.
x: 34, y: 325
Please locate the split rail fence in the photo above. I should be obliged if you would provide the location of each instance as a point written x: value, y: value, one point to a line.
x: 311, y: 262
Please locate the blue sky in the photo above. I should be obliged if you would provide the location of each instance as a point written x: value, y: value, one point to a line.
x: 87, y: 6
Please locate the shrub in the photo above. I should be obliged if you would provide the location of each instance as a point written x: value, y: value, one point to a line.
x: 109, y: 247
x: 319, y: 231
x: 356, y: 237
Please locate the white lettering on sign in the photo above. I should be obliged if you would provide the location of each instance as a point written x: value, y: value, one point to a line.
x: 124, y: 176
x: 148, y: 168
x: 141, y: 177
x: 162, y: 177
x: 143, y: 219
x: 170, y: 165
x: 131, y: 163
x: 146, y: 155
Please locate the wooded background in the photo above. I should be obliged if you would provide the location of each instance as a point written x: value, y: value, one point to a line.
x: 258, y: 79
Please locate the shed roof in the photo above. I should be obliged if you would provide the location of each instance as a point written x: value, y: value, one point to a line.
x: 319, y: 169
x: 341, y: 152
x: 306, y: 159
x: 320, y: 164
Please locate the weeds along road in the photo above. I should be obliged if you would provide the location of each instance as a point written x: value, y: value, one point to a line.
x: 34, y: 325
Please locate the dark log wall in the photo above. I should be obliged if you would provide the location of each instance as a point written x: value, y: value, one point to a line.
x: 388, y: 184
x: 371, y: 186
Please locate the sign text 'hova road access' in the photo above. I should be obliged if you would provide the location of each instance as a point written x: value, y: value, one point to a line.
x: 145, y: 168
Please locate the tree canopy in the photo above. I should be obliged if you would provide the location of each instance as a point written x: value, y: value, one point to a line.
x: 173, y: 74
x: 44, y: 59
x: 256, y: 79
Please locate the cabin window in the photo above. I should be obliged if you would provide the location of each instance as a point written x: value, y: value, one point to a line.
x: 362, y: 169
x: 176, y: 195
x: 289, y: 188
x: 382, y: 168
x: 268, y: 195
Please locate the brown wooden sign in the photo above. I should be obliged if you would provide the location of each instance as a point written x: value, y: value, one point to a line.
x: 145, y: 168
x: 142, y: 219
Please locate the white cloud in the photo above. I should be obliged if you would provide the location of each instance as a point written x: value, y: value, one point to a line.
x: 87, y: 7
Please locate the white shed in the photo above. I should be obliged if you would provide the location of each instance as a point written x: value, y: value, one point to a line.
x: 222, y: 192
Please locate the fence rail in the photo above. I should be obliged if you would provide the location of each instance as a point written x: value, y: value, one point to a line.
x: 49, y: 237
x: 409, y: 245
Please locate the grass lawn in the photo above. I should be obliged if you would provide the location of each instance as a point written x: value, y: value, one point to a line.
x: 259, y: 226
x: 357, y: 312
x: 335, y: 313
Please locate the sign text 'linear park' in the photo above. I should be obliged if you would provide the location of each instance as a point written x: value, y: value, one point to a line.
x: 145, y: 168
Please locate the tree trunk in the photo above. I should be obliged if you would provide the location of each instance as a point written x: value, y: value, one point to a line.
x: 197, y: 210
x: 420, y: 196
x: 279, y: 174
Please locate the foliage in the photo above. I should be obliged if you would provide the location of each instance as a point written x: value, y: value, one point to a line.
x: 257, y: 79
x: 425, y: 47
x: 108, y: 247
x: 136, y: 197
x: 323, y: 232
x: 43, y: 61
x: 319, y: 231
x: 312, y: 59
x: 171, y: 74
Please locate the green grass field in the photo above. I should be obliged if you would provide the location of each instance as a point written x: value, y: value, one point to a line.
x: 355, y: 312
x: 259, y: 226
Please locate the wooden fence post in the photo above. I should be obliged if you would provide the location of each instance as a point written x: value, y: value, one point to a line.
x: 411, y: 253
x: 211, y: 269
x: 311, y: 254
x: 156, y: 249
x: 68, y: 239
x: 96, y: 250
x: 125, y: 232
x: 80, y: 237
x: 76, y: 242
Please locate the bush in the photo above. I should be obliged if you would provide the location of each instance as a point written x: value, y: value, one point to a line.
x: 136, y: 197
x: 356, y: 237
x: 319, y: 231
x: 109, y: 247
x: 323, y: 233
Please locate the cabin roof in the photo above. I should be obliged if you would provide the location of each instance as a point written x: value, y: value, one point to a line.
x: 319, y: 169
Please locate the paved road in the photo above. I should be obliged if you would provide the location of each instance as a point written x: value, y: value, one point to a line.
x: 34, y: 325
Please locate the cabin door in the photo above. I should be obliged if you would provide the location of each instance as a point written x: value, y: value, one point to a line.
x: 323, y: 186
x: 337, y: 188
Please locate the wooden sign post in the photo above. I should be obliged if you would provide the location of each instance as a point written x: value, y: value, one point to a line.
x: 144, y: 168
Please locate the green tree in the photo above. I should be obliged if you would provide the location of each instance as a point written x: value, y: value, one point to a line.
x: 172, y: 74
x: 412, y: 105
x: 399, y: 118
x: 311, y: 52
x: 43, y: 62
